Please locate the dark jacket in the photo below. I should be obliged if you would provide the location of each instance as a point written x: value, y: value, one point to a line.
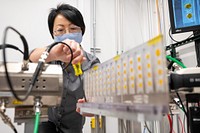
x: 65, y: 116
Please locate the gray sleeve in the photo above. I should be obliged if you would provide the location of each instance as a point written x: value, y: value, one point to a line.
x: 91, y: 61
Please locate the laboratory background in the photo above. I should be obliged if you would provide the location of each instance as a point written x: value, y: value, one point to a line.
x: 148, y: 79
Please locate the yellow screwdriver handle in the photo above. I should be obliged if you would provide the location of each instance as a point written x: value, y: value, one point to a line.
x: 77, y: 69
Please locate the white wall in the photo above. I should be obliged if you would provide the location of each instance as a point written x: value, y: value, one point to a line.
x: 30, y: 19
x: 124, y: 24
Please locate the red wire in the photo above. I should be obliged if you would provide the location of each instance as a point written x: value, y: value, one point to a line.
x: 181, y: 123
x: 170, y: 122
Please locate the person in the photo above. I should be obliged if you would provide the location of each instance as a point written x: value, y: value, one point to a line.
x: 66, y: 24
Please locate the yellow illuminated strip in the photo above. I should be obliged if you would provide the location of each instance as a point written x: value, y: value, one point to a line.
x: 95, y: 67
x: 155, y: 40
x: 116, y: 58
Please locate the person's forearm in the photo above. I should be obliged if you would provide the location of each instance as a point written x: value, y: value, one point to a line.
x: 35, y: 55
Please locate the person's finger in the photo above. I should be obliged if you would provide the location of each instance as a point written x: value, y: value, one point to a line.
x: 68, y: 57
x: 77, y: 56
x: 78, y: 110
x: 70, y: 43
x: 66, y: 49
x: 77, y: 59
x: 81, y: 100
x: 77, y: 53
x: 83, y: 59
x: 68, y: 52
x: 57, y: 49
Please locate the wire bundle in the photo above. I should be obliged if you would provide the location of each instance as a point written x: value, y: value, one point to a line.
x: 26, y: 58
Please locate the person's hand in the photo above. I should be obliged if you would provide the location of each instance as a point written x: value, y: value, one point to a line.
x: 61, y: 52
x: 78, y: 109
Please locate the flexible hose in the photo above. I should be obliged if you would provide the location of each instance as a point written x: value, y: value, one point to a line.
x: 176, y: 61
x: 37, y: 120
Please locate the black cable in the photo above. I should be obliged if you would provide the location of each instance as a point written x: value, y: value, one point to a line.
x: 170, y: 65
x: 171, y: 36
x: 12, y: 47
x: 190, y: 36
x: 197, y: 49
x: 7, y: 120
x: 52, y: 45
x: 25, y: 44
x: 145, y: 124
x: 44, y: 57
x: 15, y: 130
x: 174, y: 39
x: 183, y: 42
x: 181, y: 103
x: 26, y: 56
x: 177, y: 104
x: 26, y: 50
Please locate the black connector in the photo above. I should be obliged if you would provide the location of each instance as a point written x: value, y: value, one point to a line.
x: 177, y: 81
x: 42, y: 61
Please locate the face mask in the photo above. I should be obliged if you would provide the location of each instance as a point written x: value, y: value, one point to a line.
x: 77, y: 37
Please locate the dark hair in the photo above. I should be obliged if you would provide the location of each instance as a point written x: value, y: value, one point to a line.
x: 70, y: 13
